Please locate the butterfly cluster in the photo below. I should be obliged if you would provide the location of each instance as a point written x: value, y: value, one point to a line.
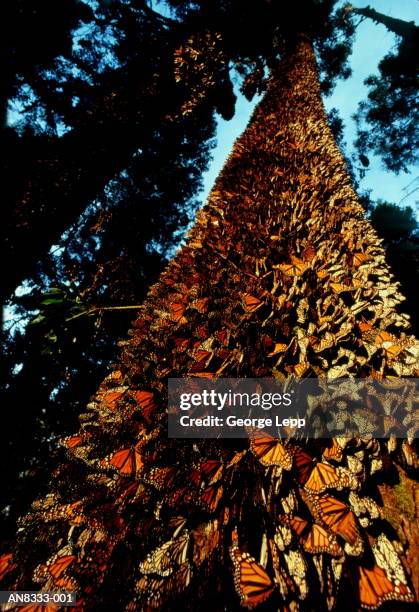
x: 281, y: 276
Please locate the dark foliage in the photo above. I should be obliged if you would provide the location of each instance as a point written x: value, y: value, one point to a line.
x: 388, y: 119
x: 399, y: 228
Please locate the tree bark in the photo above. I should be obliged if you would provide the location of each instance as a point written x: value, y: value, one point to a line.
x: 281, y: 255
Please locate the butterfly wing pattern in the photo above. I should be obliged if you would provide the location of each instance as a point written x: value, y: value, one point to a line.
x: 281, y: 274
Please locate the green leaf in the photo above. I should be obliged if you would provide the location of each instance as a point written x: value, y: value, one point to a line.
x: 51, y: 301
x: 38, y: 319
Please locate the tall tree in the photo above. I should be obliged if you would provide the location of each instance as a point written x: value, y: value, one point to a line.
x: 388, y: 118
x: 281, y: 274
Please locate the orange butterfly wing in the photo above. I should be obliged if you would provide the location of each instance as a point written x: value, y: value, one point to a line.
x: 211, y: 497
x: 6, y: 564
x: 252, y: 582
x: 303, y: 464
x: 298, y: 524
x: 251, y: 303
x: 269, y: 450
x: 73, y: 441
x: 128, y: 461
x: 176, y: 312
x: 145, y: 399
x: 338, y: 518
x: 212, y: 469
x: 322, y: 477
x: 333, y: 451
x: 319, y: 541
x: 59, y: 566
x: 110, y: 398
x: 375, y: 588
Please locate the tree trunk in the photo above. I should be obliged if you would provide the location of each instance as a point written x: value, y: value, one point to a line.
x: 280, y: 255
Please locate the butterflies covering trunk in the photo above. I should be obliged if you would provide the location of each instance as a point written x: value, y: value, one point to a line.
x: 281, y: 275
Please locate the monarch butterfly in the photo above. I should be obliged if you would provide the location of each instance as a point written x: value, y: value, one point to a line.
x: 297, y: 267
x: 206, y: 538
x: 110, y: 398
x: 324, y: 476
x: 410, y: 455
x: 298, y: 524
x: 145, y: 399
x: 115, y: 375
x: 309, y: 252
x: 321, y: 274
x: 212, y: 470
x: 364, y: 506
x: 201, y: 305
x: 392, y: 349
x: 161, y: 478
x: 359, y: 258
x: 128, y: 460
x: 319, y: 541
x: 269, y: 450
x: 181, y: 344
x: 161, y: 559
x: 297, y: 570
x: 387, y: 558
x: 333, y: 451
x: 375, y: 588
x: 202, y: 359
x: 201, y: 355
x: 383, y: 336
x: 178, y: 523
x: 340, y: 287
x: 281, y: 579
x: 73, y: 513
x: 329, y: 570
x: 251, y: 303
x: 236, y: 458
x: 365, y: 326
x: 211, y: 497
x: 222, y: 336
x: 6, y: 564
x: 299, y: 369
x: 176, y: 310
x: 72, y: 441
x: 152, y: 589
x: 339, y: 518
x: 58, y: 567
x: 303, y: 463
x: 202, y: 374
x: 251, y: 581
x: 278, y: 348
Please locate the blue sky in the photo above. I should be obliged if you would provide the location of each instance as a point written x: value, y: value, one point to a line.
x: 372, y: 42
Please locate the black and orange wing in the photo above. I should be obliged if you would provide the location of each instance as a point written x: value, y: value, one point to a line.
x: 128, y: 461
x: 374, y: 588
x: 269, y: 450
x: 339, y: 518
x: 251, y: 581
x: 319, y: 541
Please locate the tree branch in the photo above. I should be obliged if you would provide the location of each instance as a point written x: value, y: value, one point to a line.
x: 101, y: 309
x: 405, y: 29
